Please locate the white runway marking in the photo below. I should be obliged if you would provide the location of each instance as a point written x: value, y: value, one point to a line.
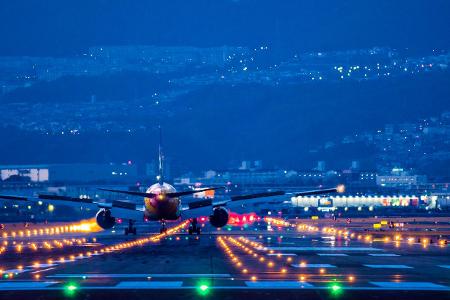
x: 149, y: 284
x: 139, y: 275
x: 444, y: 266
x: 42, y: 270
x: 278, y: 284
x: 313, y: 266
x: 35, y: 266
x: 383, y: 254
x: 16, y: 271
x: 389, y: 266
x: 332, y: 254
x: 24, y: 285
x: 267, y: 284
x: 321, y: 248
x: 282, y: 254
x: 418, y: 285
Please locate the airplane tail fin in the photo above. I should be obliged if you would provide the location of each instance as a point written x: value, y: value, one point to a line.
x: 160, y: 159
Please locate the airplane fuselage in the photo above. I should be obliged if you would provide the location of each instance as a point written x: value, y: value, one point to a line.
x: 162, y: 207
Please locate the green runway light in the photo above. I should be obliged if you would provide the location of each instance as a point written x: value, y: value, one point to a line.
x: 335, y: 288
x: 70, y: 289
x: 203, y: 288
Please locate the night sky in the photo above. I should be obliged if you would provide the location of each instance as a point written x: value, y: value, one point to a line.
x: 54, y: 27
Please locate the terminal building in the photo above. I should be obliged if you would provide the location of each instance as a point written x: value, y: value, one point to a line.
x: 364, y: 201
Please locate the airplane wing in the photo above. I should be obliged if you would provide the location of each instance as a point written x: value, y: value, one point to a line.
x: 150, y: 195
x: 204, y: 207
x: 119, y: 208
x: 338, y: 189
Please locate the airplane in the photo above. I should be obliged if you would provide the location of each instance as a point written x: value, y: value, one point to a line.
x: 163, y: 203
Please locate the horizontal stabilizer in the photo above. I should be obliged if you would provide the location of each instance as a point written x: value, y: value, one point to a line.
x: 185, y: 193
x: 170, y: 195
x: 141, y: 194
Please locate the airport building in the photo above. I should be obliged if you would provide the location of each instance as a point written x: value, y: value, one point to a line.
x: 364, y: 201
x: 400, y: 180
x: 68, y: 172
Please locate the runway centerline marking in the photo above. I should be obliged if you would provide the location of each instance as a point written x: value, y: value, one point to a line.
x: 23, y: 285
x: 149, y: 284
x: 332, y: 254
x: 278, y: 284
x: 383, y: 254
x: 417, y: 285
x: 36, y: 266
x: 313, y: 266
x: 17, y: 271
x: 321, y: 248
x: 139, y: 275
x: 389, y: 266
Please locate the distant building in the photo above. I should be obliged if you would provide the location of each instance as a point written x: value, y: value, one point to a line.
x: 399, y: 180
x: 355, y: 165
x: 321, y: 166
x: 69, y: 172
x: 245, y: 165
x: 32, y: 173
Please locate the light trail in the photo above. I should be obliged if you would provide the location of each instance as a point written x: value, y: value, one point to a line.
x: 84, y: 226
x: 21, y: 247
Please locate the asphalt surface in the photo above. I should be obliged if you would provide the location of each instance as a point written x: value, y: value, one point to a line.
x: 281, y: 264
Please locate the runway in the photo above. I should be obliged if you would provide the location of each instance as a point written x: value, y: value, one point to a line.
x: 284, y: 263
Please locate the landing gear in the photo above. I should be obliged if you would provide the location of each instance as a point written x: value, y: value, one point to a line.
x: 194, y: 228
x: 130, y: 229
x: 163, y: 228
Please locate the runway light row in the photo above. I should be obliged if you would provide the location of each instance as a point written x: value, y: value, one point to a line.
x: 260, y: 247
x: 348, y: 234
x: 283, y: 223
x: 235, y: 259
x: 307, y: 227
x: 266, y: 261
x: 20, y: 246
x: 277, y: 222
x: 103, y: 250
x: 397, y: 239
x: 302, y: 263
x: 89, y: 225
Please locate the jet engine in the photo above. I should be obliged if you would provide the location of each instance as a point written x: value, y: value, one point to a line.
x: 219, y: 217
x: 104, y: 219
